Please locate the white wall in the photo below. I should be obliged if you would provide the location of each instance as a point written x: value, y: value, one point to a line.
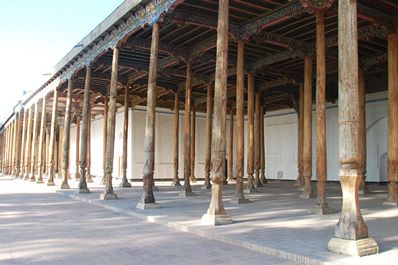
x: 280, y: 143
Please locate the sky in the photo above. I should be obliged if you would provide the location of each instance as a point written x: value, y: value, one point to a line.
x: 35, y: 35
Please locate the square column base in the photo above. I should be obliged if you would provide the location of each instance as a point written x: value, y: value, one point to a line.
x: 185, y: 193
x: 390, y: 203
x: 239, y: 200
x: 83, y: 191
x: 144, y: 206
x: 50, y: 184
x: 356, y: 248
x: 220, y: 219
x: 322, y: 210
x: 125, y: 185
x: 108, y: 196
x: 64, y: 186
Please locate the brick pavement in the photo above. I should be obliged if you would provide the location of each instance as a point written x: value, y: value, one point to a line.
x: 40, y: 227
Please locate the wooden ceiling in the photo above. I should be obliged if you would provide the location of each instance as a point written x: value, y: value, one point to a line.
x: 277, y: 35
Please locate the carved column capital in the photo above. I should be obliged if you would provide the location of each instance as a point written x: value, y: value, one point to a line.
x: 316, y: 5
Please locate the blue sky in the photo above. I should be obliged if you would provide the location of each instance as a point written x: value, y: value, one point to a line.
x: 36, y: 34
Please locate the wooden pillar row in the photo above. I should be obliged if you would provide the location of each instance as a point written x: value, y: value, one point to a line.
x: 108, y: 193
x: 362, y: 130
x: 82, y: 186
x: 28, y: 144
x: 392, y: 141
x: 231, y: 147
x: 187, y: 190
x: 300, y: 136
x: 40, y: 161
x: 257, y: 140
x: 77, y: 156
x: 216, y: 214
x: 176, y: 181
x: 209, y: 112
x: 307, y: 141
x: 33, y: 167
x: 88, y: 173
x: 240, y: 136
x: 147, y: 198
x: 66, y: 137
x: 193, y: 142
x: 351, y: 233
x: 125, y: 183
x: 250, y: 117
x: 263, y: 179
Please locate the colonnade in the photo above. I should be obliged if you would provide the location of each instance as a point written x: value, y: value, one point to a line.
x: 23, y: 142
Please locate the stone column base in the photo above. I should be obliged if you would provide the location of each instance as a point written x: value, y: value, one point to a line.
x: 64, y: 186
x: 211, y: 219
x: 322, y: 210
x: 50, y: 183
x: 238, y: 199
x: 83, y: 190
x: 358, y: 248
x: 108, y: 196
x: 144, y: 206
x: 185, y: 193
x: 39, y: 181
x: 125, y: 185
x: 390, y: 203
x: 176, y: 183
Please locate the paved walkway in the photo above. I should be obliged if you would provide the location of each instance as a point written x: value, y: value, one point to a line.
x: 40, y: 227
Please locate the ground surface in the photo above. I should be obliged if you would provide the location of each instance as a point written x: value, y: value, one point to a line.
x: 38, y: 226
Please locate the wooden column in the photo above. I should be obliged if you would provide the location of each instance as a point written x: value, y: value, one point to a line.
x: 11, y: 157
x: 362, y: 131
x: 28, y: 144
x: 82, y: 187
x: 66, y: 137
x: 88, y: 159
x: 216, y: 214
x: 105, y: 136
x: 15, y: 145
x: 351, y: 233
x: 33, y: 166
x: 263, y: 179
x: 321, y: 206
x: 176, y: 181
x: 41, y: 162
x: 240, y: 133
x: 60, y: 145
x: 231, y: 147
x: 51, y: 149
x: 250, y: 117
x: 108, y: 193
x: 125, y: 183
x: 187, y: 190
x: 77, y: 161
x: 23, y: 141
x: 307, y: 141
x: 300, y: 138
x: 392, y: 141
x: 193, y: 143
x: 257, y: 140
x: 147, y: 198
x: 209, y: 103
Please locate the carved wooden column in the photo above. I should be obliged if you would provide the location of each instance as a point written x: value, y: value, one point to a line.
x: 82, y: 187
x: 108, y: 193
x: 23, y: 142
x: 147, y: 198
x: 47, y: 149
x: 307, y: 141
x: 51, y: 149
x: 351, y: 233
x: 231, y: 147
x: 187, y: 190
x: 28, y: 144
x: 257, y: 140
x: 105, y: 134
x: 216, y: 214
x: 77, y: 161
x: 193, y: 143
x: 15, y: 145
x: 12, y: 138
x: 176, y: 181
x: 33, y: 166
x: 321, y: 206
x: 209, y: 103
x: 392, y: 141
x: 300, y: 138
x: 250, y: 117
x: 61, y: 122
x: 66, y: 137
x: 240, y: 134
x: 263, y: 179
x: 88, y: 159
x: 125, y: 183
x: 362, y: 131
x: 41, y: 162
